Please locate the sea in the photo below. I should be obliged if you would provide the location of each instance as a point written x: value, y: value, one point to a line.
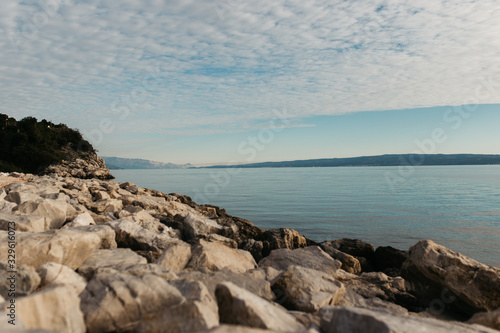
x: 455, y: 206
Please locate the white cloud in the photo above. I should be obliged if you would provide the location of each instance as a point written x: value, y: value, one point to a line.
x: 225, y: 64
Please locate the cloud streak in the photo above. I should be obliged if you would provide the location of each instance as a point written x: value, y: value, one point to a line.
x: 224, y: 65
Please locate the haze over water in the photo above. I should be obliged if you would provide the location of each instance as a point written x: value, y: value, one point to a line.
x: 456, y: 206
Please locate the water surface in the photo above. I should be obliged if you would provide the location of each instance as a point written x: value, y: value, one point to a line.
x: 456, y: 206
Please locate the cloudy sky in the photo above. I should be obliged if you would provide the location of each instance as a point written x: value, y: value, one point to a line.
x: 216, y: 81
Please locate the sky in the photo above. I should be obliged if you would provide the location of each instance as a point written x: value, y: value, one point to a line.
x: 238, y: 81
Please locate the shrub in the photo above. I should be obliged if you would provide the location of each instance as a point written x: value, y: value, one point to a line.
x: 29, y: 145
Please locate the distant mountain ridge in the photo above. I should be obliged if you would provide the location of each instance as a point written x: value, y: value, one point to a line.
x: 379, y: 160
x: 137, y: 163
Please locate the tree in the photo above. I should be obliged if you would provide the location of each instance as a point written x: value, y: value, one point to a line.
x: 30, y: 146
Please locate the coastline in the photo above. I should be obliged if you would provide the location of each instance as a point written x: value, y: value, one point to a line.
x: 193, y: 268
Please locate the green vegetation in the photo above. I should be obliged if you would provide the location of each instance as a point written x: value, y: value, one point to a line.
x: 29, y: 145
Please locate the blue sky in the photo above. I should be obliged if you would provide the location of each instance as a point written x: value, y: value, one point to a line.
x: 204, y: 81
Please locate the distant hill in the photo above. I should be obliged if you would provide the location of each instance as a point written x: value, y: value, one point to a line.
x: 137, y: 163
x: 380, y: 160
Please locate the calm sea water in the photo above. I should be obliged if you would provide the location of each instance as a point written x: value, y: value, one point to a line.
x: 456, y: 206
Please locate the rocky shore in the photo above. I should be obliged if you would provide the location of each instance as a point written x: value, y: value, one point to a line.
x: 85, y: 165
x: 99, y: 256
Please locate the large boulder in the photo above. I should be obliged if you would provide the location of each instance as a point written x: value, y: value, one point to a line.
x: 176, y: 257
x: 187, y: 317
x: 363, y: 251
x: 6, y: 206
x: 351, y: 319
x: 249, y: 281
x: 22, y: 280
x: 349, y: 263
x: 106, y: 206
x: 67, y: 246
x: 116, y: 301
x: 198, y: 313
x: 266, y: 273
x: 53, y: 274
x: 305, y: 289
x: 174, y: 208
x: 33, y: 189
x: 253, y: 246
x: 101, y: 195
x: 237, y: 228
x: 119, y: 259
x: 129, y: 210
x: 54, y: 211
x: 354, y: 247
x: 56, y: 309
x: 196, y: 226
x: 146, y: 201
x: 83, y: 219
x: 241, y: 307
x: 274, y: 239
x: 28, y: 223
x: 19, y: 197
x: 469, y: 286
x: 149, y: 222
x: 222, y: 240
x: 388, y: 257
x: 351, y: 298
x: 135, y: 237
x: 310, y: 257
x: 378, y: 285
x: 215, y: 256
x: 131, y: 188
x: 488, y: 319
x: 105, y: 233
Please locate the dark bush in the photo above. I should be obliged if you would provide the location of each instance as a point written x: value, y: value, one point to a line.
x: 29, y: 145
